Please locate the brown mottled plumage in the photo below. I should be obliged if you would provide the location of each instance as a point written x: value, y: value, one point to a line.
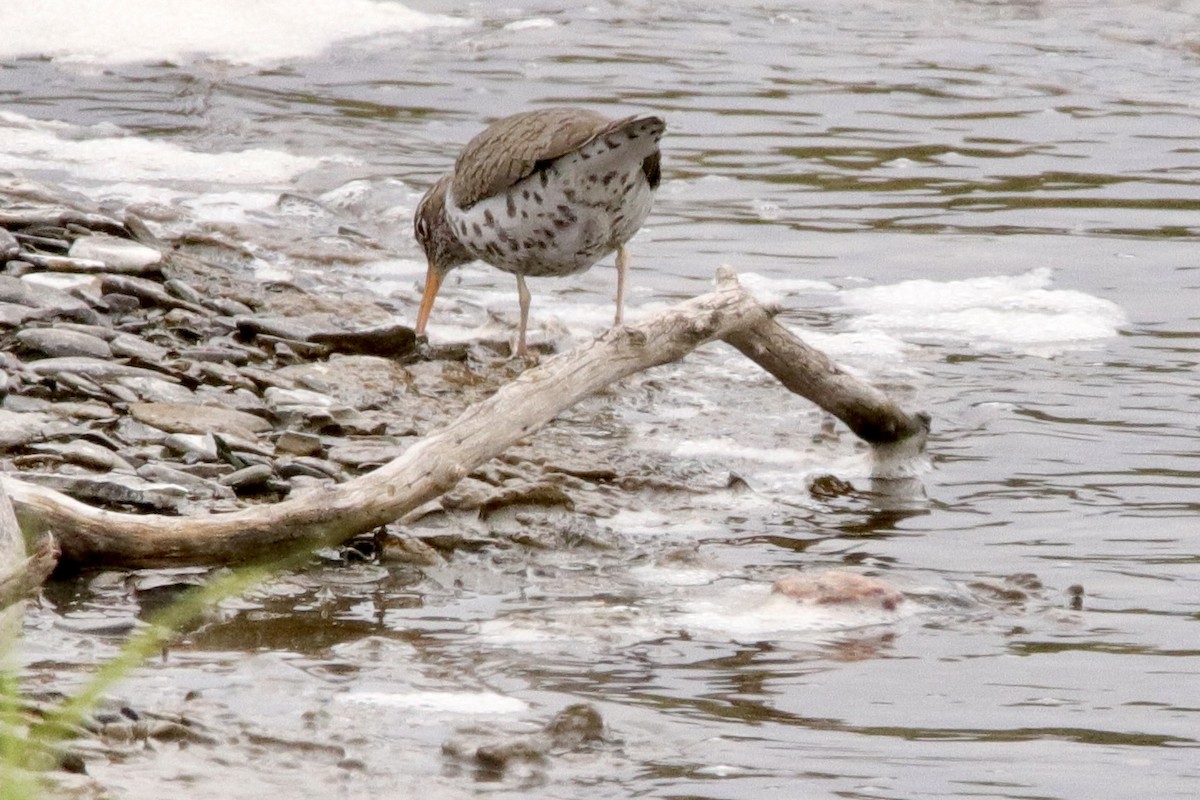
x: 541, y: 193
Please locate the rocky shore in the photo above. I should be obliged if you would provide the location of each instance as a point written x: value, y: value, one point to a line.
x: 139, y: 376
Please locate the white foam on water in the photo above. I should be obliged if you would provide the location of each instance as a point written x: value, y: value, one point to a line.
x: 727, y: 449
x: 449, y: 702
x: 752, y: 612
x: 534, y: 23
x: 767, y: 289
x: 106, y: 154
x: 1008, y: 312
x: 238, y: 31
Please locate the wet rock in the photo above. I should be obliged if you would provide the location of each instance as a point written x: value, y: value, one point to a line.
x: 64, y: 263
x: 193, y: 446
x: 215, y: 353
x: 14, y: 315
x: 87, y: 410
x: 9, y: 246
x: 393, y: 341
x: 298, y: 444
x: 256, y: 476
x: 184, y: 291
x: 85, y: 454
x: 197, y: 419
x: 121, y: 490
x: 13, y: 218
x: 149, y: 293
x: 151, y: 388
x: 57, y: 342
x: 835, y: 587
x: 393, y: 549
x: 18, y: 430
x: 51, y: 301
x: 116, y: 254
x: 118, y: 303
x: 282, y: 400
x: 197, y: 488
x: 268, y: 378
x: 126, y: 345
x: 95, y: 368
x: 364, y: 455
x: 531, y: 494
x: 826, y: 487
x: 310, y: 468
x: 576, y: 727
x: 83, y: 287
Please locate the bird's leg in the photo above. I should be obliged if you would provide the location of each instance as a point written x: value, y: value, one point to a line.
x: 622, y: 271
x: 523, y: 297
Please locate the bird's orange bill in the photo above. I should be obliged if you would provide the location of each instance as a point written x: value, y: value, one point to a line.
x: 433, y: 282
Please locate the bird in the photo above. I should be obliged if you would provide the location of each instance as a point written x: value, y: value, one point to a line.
x: 547, y: 192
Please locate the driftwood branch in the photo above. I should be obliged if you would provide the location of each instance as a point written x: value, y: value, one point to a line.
x: 21, y: 576
x: 438, y: 462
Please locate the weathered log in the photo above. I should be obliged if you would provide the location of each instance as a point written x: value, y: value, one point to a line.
x: 438, y: 462
x: 20, y: 576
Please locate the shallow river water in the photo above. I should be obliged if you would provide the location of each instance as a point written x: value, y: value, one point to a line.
x: 987, y: 208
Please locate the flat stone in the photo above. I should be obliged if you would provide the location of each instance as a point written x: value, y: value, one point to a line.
x: 278, y: 398
x: 298, y: 444
x: 19, y: 290
x: 14, y: 315
x: 122, y: 490
x: 18, y: 430
x: 88, y: 410
x: 360, y: 455
x: 85, y: 454
x: 249, y: 477
x: 148, y: 291
x: 94, y: 368
x: 216, y: 354
x: 74, y: 285
x: 197, y: 419
x: 153, y: 389
x: 126, y: 345
x: 198, y: 446
x: 9, y: 246
x: 198, y: 488
x: 56, y: 342
x: 64, y: 263
x: 120, y: 255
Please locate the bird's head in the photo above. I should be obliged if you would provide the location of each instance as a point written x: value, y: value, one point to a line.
x: 442, y: 248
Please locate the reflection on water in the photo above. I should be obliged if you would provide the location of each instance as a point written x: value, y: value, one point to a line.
x: 987, y: 208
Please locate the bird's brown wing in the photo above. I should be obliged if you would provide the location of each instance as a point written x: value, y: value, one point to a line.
x: 515, y: 147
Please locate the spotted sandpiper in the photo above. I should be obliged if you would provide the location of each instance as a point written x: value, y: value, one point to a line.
x: 541, y: 193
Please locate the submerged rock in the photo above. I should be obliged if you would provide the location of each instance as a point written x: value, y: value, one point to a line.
x: 835, y: 587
